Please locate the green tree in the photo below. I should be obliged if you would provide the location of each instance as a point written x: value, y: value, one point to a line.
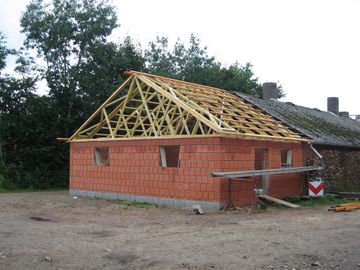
x: 81, y: 69
x: 160, y: 60
x: 104, y: 72
x: 193, y: 63
x: 4, y: 51
x: 68, y: 35
x: 18, y: 122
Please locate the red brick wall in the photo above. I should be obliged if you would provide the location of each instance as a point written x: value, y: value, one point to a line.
x: 239, y: 155
x: 135, y: 168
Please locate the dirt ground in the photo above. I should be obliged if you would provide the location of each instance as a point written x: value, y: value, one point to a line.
x: 52, y: 230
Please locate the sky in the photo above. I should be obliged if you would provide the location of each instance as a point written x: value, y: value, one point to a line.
x: 312, y: 47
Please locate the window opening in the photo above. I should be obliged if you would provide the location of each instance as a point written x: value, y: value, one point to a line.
x: 169, y: 156
x: 101, y: 156
x: 286, y: 158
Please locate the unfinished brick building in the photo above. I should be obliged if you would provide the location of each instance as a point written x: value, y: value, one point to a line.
x: 158, y: 140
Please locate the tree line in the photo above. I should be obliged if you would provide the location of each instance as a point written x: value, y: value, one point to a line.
x: 67, y: 46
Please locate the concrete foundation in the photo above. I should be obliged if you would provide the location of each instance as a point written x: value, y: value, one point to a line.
x: 147, y: 199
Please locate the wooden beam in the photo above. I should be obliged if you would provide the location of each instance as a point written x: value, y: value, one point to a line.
x: 134, y: 113
x: 140, y: 108
x: 269, y: 198
x: 115, y: 101
x: 159, y: 106
x: 114, y: 111
x: 179, y: 103
x: 62, y: 139
x: 147, y: 108
x: 108, y: 123
x: 166, y: 116
x: 117, y: 91
x: 142, y: 124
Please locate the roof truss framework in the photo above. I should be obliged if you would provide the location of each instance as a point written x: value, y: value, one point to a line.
x: 152, y: 106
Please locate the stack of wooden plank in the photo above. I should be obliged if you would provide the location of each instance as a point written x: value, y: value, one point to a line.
x: 346, y: 207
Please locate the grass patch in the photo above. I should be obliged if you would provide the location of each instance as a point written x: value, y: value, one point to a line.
x: 22, y: 190
x: 312, y: 201
x: 325, y: 200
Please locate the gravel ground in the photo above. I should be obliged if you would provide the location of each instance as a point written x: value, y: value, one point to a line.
x: 51, y: 230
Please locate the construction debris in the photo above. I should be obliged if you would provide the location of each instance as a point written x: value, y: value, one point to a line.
x: 197, y: 209
x: 345, y: 207
x: 316, y: 263
x: 47, y: 259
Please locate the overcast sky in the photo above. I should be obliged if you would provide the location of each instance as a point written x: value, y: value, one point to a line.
x: 312, y: 47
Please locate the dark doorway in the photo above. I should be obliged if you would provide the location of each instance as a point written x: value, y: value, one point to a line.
x: 262, y: 163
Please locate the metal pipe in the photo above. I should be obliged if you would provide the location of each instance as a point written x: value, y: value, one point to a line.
x: 253, y: 173
x: 315, y: 151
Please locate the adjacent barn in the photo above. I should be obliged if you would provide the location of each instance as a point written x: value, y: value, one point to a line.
x: 157, y: 140
x: 334, y: 134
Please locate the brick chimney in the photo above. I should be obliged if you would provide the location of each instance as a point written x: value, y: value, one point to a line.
x: 269, y: 90
x: 344, y: 114
x: 333, y: 105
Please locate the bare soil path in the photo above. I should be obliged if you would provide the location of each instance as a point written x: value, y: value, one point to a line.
x: 51, y: 230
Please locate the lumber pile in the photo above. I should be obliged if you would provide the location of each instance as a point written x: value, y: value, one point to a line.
x: 346, y: 207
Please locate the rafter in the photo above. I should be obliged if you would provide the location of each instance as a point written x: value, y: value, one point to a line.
x: 152, y: 106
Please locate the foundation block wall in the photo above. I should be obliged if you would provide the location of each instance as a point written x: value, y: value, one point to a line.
x: 134, y: 168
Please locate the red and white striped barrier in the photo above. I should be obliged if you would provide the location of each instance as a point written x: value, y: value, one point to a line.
x: 316, y: 188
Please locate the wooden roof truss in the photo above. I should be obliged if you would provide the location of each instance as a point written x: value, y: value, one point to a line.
x: 152, y: 106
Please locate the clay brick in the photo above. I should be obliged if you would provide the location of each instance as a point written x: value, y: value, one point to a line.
x: 135, y: 168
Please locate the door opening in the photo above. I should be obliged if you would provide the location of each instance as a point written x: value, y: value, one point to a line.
x: 262, y: 163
